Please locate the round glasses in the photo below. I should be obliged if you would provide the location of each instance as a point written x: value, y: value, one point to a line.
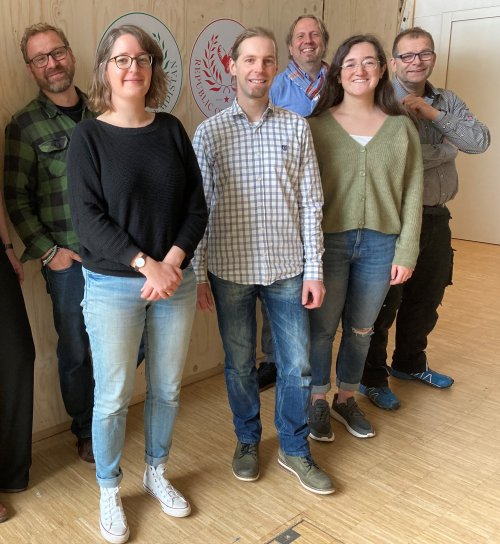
x: 40, y: 61
x: 125, y: 61
x: 410, y: 57
x: 367, y: 64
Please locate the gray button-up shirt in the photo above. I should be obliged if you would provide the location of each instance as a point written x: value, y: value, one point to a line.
x: 455, y: 129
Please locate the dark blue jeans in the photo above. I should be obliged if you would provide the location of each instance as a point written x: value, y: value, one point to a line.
x: 65, y: 288
x: 415, y: 303
x: 236, y: 314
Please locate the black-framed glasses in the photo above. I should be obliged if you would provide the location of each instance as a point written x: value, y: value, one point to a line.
x: 59, y: 53
x: 124, y: 62
x: 410, y: 57
x: 368, y: 64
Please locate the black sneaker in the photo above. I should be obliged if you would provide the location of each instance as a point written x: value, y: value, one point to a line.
x: 318, y: 420
x: 266, y: 376
x: 351, y: 415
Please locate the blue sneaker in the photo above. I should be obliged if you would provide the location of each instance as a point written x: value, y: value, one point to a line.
x: 430, y: 377
x: 382, y: 397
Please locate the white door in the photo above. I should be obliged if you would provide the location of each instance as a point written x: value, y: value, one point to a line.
x: 473, y: 73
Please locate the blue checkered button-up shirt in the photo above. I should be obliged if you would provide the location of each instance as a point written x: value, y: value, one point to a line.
x: 264, y: 196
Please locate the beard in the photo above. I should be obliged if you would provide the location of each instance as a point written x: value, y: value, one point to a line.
x: 63, y: 83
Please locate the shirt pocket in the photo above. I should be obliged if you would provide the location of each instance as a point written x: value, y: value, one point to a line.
x: 52, y: 155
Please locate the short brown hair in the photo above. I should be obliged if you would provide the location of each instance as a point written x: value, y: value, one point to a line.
x: 415, y: 32
x: 100, y: 90
x: 322, y: 29
x: 253, y: 32
x: 38, y: 28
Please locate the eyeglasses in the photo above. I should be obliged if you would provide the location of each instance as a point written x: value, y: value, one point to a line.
x: 410, y: 57
x: 40, y: 61
x: 367, y: 64
x: 125, y: 61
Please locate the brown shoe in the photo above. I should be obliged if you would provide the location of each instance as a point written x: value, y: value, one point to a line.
x: 85, y: 452
x: 3, y: 513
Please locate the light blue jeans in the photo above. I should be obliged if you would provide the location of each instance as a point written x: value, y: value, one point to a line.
x: 357, y: 268
x: 288, y: 319
x: 117, y: 318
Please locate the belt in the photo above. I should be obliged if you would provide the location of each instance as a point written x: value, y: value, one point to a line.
x: 438, y: 209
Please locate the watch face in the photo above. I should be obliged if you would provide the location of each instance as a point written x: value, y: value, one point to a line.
x: 139, y: 262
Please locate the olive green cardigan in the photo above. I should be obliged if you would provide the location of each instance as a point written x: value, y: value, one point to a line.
x: 378, y: 186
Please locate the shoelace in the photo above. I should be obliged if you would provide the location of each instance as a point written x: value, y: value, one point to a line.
x: 114, y: 506
x: 353, y: 409
x: 321, y: 412
x: 248, y: 449
x: 308, y: 460
x: 166, y: 487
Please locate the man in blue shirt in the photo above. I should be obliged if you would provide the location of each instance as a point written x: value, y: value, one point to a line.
x: 296, y: 89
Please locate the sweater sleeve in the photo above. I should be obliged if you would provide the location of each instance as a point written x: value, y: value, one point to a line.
x: 407, y: 244
x: 195, y: 209
x: 98, y: 233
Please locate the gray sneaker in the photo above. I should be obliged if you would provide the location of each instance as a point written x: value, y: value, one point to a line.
x: 307, y: 471
x: 320, y: 427
x: 350, y: 414
x: 246, y: 462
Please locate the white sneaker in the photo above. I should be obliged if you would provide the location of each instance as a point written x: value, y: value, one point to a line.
x: 171, y: 501
x: 114, y: 527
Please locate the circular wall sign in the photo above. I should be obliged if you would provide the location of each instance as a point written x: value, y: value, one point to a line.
x: 212, y: 85
x: 172, y: 63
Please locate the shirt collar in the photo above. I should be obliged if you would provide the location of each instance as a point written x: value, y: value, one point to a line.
x: 236, y: 111
x: 429, y: 92
x: 51, y: 109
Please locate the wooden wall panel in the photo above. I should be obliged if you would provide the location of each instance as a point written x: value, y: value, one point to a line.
x: 344, y: 19
x: 84, y: 22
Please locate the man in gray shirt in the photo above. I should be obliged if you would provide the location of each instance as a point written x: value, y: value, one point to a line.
x: 446, y: 127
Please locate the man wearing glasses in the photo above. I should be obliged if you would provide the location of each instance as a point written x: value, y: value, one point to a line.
x: 36, y: 145
x: 446, y: 127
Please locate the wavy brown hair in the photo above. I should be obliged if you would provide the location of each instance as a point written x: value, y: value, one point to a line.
x: 100, y: 90
x: 332, y: 92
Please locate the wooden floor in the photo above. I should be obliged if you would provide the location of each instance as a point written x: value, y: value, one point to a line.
x: 430, y: 476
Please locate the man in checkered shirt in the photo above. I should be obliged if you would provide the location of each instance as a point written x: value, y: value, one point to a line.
x: 263, y: 240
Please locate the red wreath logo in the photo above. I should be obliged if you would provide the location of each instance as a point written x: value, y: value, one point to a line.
x: 214, y: 55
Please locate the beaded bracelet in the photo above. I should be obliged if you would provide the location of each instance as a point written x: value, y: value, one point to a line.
x: 50, y: 256
x: 8, y: 246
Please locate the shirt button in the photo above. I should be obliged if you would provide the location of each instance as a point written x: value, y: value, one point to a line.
x: 362, y: 173
x: 363, y: 150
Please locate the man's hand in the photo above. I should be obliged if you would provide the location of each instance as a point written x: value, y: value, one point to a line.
x: 313, y: 293
x: 205, y: 300
x: 16, y: 264
x: 400, y: 274
x: 418, y: 106
x: 63, y: 259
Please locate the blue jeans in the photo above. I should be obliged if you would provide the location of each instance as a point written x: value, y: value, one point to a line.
x: 117, y: 318
x: 357, y: 268
x: 65, y: 288
x: 266, y: 341
x: 236, y: 314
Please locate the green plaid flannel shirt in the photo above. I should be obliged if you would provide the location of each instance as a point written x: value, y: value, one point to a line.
x: 35, y: 181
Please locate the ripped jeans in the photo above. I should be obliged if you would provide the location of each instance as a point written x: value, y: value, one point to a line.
x: 357, y: 267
